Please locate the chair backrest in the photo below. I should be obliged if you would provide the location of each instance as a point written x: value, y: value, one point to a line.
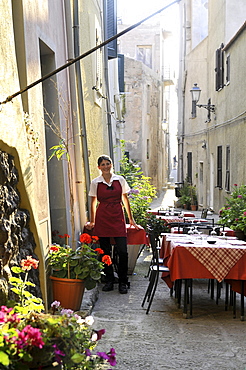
x: 154, y: 240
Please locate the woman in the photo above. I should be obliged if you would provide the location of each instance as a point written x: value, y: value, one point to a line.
x: 108, y: 220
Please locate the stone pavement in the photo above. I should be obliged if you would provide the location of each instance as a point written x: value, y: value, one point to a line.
x: 163, y: 339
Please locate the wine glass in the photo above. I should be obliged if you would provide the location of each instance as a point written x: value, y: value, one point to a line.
x: 224, y: 234
x: 195, y: 231
x: 213, y: 232
x: 190, y: 232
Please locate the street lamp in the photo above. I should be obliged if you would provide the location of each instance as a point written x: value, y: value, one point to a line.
x: 195, y: 94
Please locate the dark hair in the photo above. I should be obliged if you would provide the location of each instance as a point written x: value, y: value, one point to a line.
x: 103, y: 157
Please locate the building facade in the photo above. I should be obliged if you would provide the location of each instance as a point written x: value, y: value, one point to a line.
x: 211, y: 131
x: 43, y: 110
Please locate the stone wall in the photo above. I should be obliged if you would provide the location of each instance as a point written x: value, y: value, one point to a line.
x: 16, y: 239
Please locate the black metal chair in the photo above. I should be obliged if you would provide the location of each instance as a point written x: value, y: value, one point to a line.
x: 155, y: 269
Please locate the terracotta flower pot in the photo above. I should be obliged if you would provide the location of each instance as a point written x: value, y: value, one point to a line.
x: 193, y: 207
x: 68, y: 291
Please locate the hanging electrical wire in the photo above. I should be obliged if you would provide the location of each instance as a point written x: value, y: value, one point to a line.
x: 68, y: 64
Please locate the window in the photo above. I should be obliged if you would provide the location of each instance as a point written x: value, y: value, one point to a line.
x: 189, y: 167
x: 147, y: 151
x: 219, y: 69
x: 227, y: 181
x: 228, y: 69
x: 144, y: 54
x: 219, y: 167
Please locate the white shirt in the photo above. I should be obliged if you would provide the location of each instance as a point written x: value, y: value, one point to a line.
x: 94, y: 183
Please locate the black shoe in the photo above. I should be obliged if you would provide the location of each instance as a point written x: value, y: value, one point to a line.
x: 108, y: 286
x: 122, y: 288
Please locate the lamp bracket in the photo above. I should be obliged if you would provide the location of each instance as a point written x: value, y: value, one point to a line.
x: 209, y: 107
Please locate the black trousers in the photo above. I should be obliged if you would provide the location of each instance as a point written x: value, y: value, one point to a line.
x: 121, y: 245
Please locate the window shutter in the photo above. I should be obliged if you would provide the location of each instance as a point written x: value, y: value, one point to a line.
x: 111, y: 27
x: 121, y: 72
x: 189, y: 167
x: 217, y: 69
x: 219, y: 167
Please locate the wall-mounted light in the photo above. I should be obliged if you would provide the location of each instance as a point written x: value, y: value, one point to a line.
x: 195, y: 94
x: 204, y: 144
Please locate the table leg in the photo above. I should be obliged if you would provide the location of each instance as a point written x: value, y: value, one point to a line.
x: 234, y: 304
x: 185, y: 299
x: 191, y: 291
x: 226, y: 296
x: 242, y: 300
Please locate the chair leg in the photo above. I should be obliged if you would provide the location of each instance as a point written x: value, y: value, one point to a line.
x: 153, y: 292
x: 149, y: 288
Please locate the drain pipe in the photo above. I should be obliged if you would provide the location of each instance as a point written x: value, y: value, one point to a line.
x: 109, y: 120
x: 81, y: 101
x: 76, y: 129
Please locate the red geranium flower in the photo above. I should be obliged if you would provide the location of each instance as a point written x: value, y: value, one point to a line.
x: 99, y: 251
x: 85, y: 238
x: 107, y: 259
x: 54, y: 248
x: 94, y: 239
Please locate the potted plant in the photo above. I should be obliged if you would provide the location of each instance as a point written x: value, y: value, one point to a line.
x: 185, y: 199
x: 233, y: 214
x: 32, y: 339
x: 75, y: 270
x: 156, y: 225
x: 193, y: 198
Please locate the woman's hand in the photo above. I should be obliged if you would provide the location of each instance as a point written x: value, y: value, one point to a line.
x: 133, y: 223
x: 89, y: 225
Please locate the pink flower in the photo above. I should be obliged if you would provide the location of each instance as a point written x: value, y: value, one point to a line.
x: 244, y: 213
x: 28, y: 263
x: 239, y: 196
x: 29, y: 336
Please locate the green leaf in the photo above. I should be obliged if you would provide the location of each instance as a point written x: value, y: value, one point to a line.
x: 4, y: 359
x: 77, y: 358
x: 16, y: 269
x: 16, y: 291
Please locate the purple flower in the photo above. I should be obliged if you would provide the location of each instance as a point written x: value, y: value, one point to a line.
x: 103, y: 355
x: 87, y: 352
x: 239, y: 196
x: 67, y: 312
x: 55, y: 304
x: 58, y: 353
x: 112, y: 357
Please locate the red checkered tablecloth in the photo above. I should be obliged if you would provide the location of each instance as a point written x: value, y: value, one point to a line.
x: 217, y: 260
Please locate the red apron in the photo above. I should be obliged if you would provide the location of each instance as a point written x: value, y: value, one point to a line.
x: 110, y: 219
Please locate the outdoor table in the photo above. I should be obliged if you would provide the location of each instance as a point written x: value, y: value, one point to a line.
x: 190, y: 258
